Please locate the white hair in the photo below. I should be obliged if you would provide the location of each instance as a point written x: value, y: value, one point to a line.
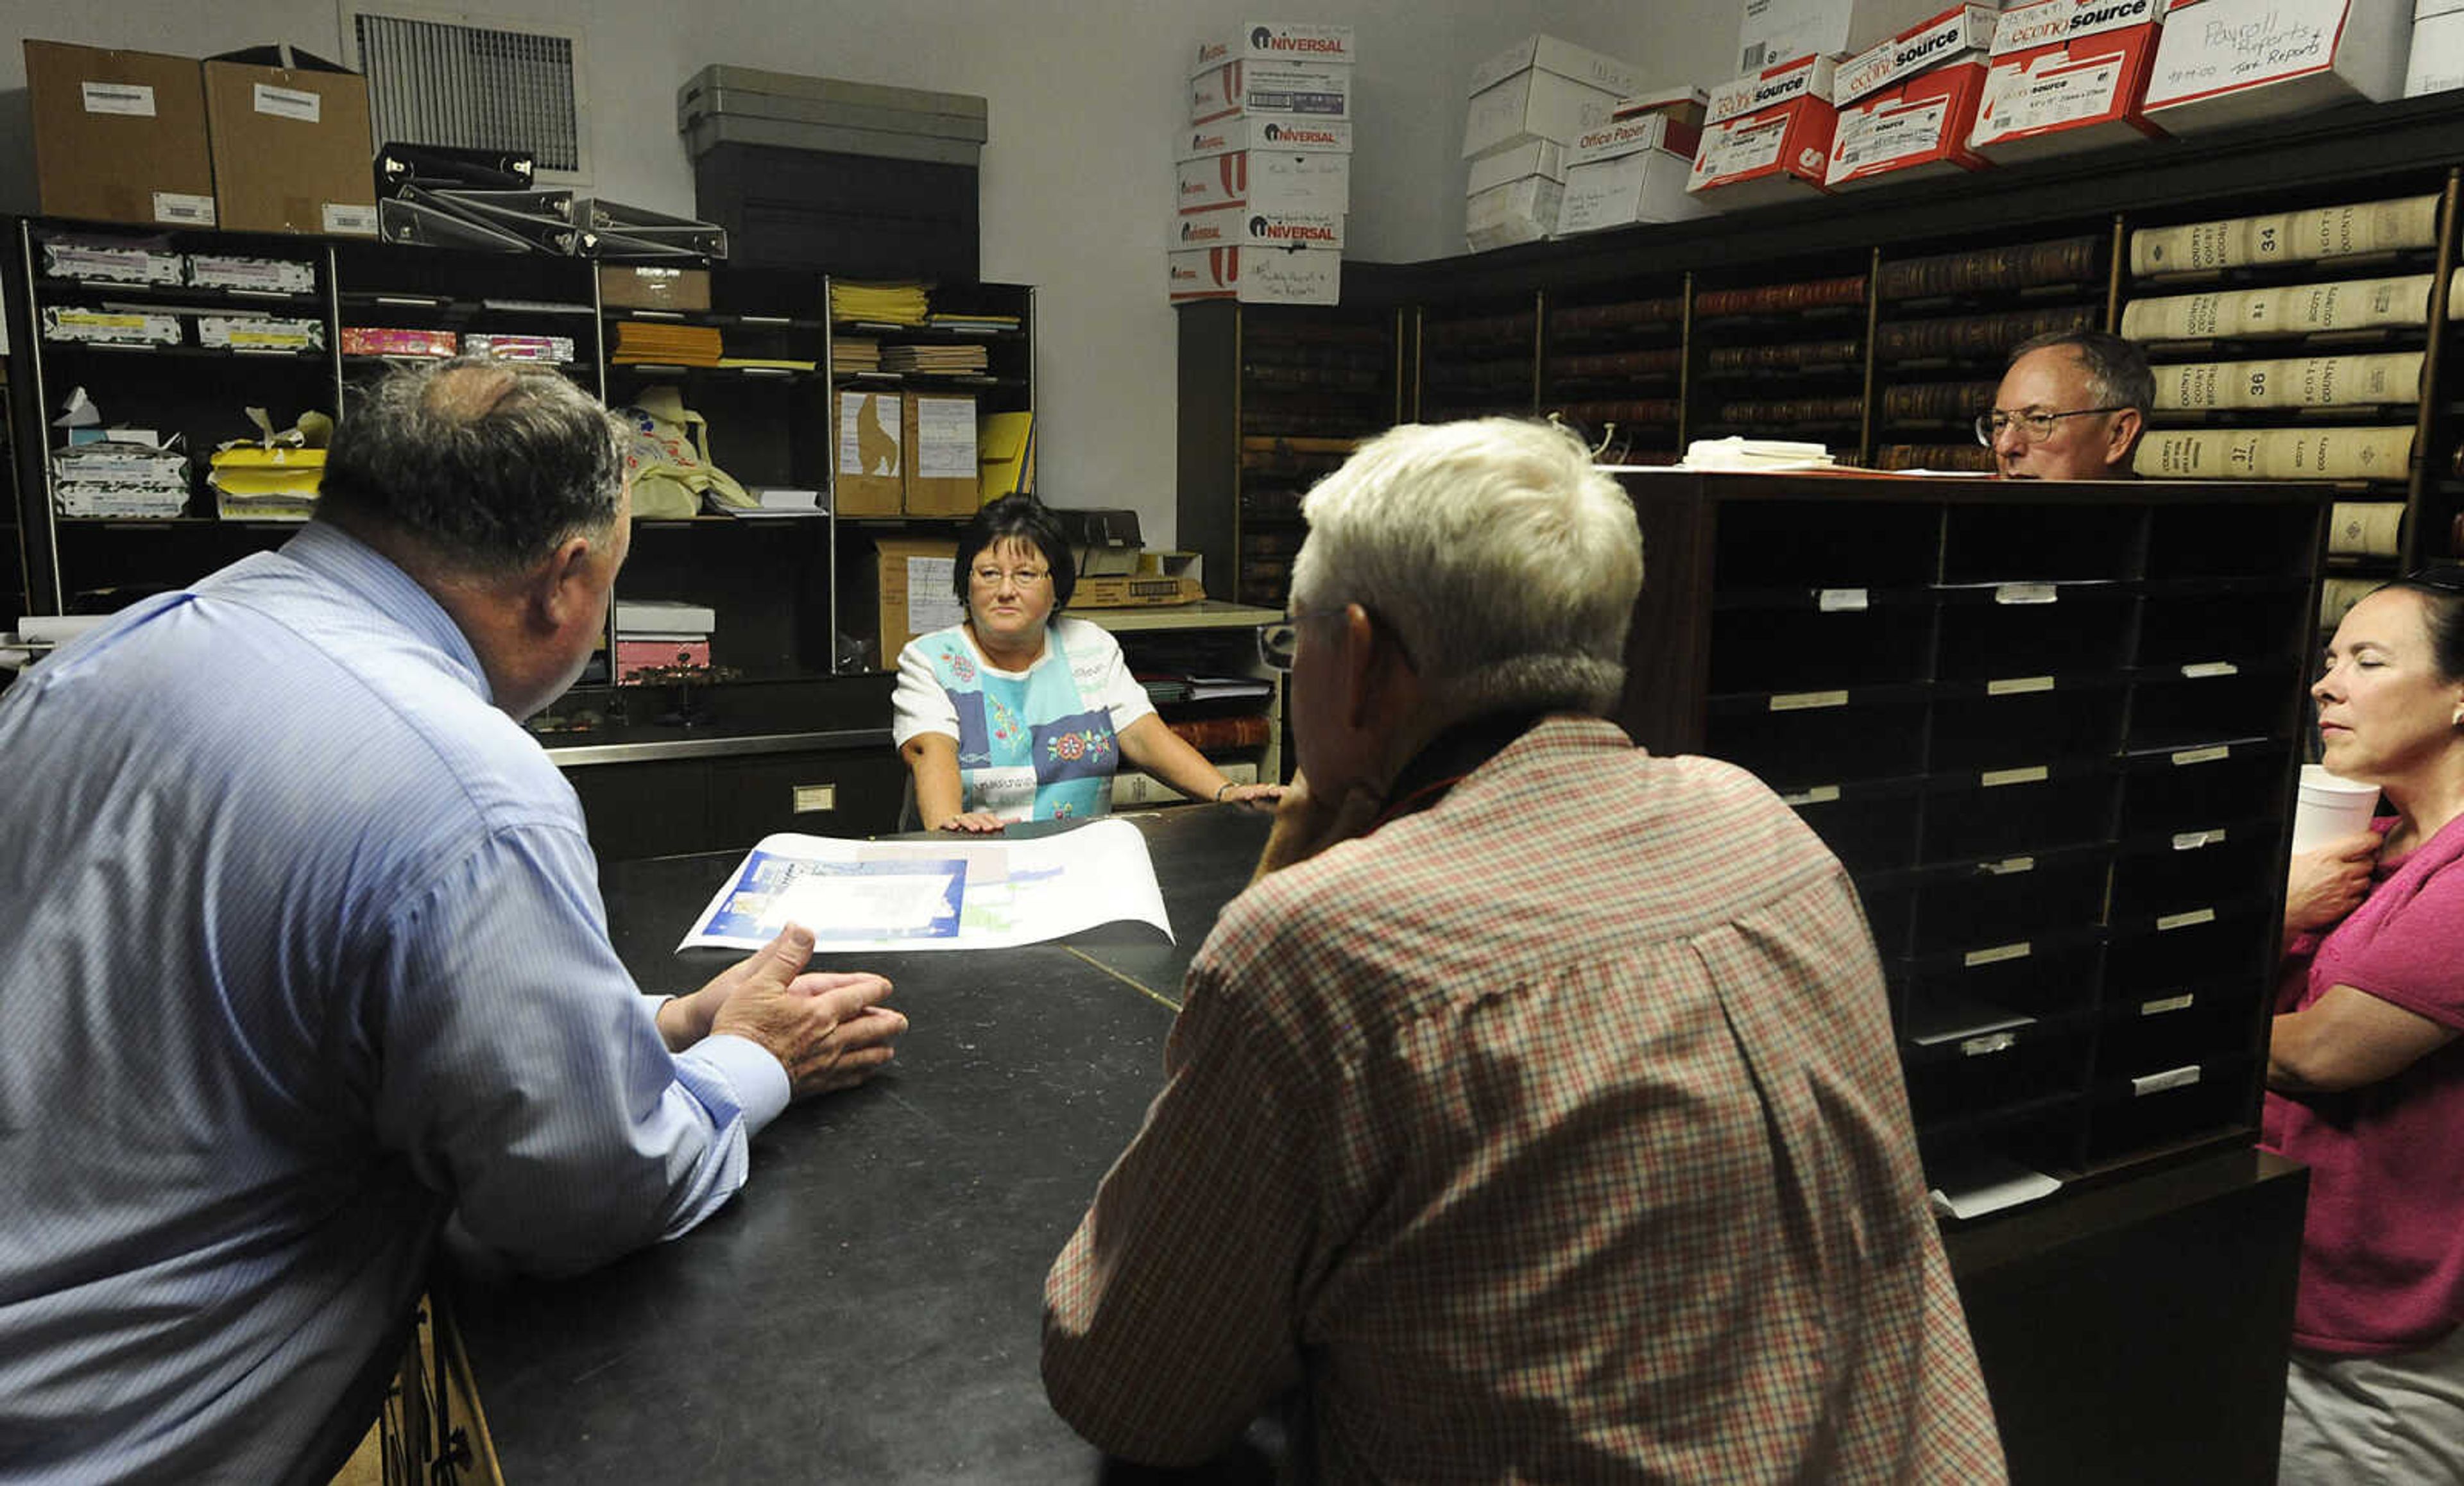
x: 1505, y: 561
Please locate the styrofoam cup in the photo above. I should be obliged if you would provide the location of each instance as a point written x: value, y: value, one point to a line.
x: 2330, y: 807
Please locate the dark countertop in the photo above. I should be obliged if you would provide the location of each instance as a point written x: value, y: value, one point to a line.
x: 868, y: 1308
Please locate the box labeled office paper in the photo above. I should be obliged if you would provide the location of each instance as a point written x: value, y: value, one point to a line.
x: 120, y: 136
x: 869, y: 430
x: 2067, y: 75
x: 2229, y: 61
x: 291, y: 145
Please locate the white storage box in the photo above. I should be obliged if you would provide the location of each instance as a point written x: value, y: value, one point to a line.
x: 1549, y: 54
x: 1773, y: 31
x: 1275, y: 41
x: 1532, y: 157
x: 2230, y: 61
x: 1532, y: 104
x: 2436, y: 62
x: 1258, y: 275
x: 1519, y: 212
x: 1294, y: 135
x: 1640, y: 186
x: 1267, y: 181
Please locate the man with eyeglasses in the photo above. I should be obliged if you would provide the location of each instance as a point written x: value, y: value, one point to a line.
x: 2071, y: 406
x: 1534, y: 1115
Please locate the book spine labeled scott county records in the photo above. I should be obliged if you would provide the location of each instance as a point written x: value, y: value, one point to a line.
x: 2392, y: 377
x: 2068, y: 260
x: 2276, y: 453
x: 2287, y: 236
x: 1821, y: 294
x: 2286, y: 310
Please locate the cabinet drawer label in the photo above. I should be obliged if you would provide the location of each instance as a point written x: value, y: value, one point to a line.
x: 2032, y: 774
x: 2203, y: 755
x: 2026, y: 593
x: 1990, y: 1043
x: 1837, y: 601
x: 1818, y: 795
x: 2190, y: 919
x: 2170, y: 1078
x: 1994, y: 956
x: 134, y: 100
x: 2198, y: 669
x: 2164, y: 1004
x: 1807, y: 700
x: 2018, y: 686
x: 809, y: 799
x: 288, y: 103
x: 2008, y: 866
x: 2192, y: 841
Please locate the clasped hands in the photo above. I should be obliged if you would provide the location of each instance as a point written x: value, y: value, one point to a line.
x: 2326, y: 884
x: 828, y: 1029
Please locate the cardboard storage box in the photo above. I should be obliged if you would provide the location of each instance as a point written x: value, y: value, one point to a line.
x: 940, y: 436
x: 1627, y: 137
x: 2436, y: 61
x: 1767, y: 138
x: 646, y: 287
x: 1267, y: 181
x: 1275, y: 41
x: 1290, y: 134
x: 1532, y: 104
x: 1519, y: 212
x: 1592, y: 69
x: 1102, y: 543
x: 1532, y: 157
x: 1907, y: 105
x: 291, y: 145
x: 1640, y: 186
x: 1192, y: 231
x: 870, y: 471
x: 1258, y: 275
x: 2230, y: 61
x: 912, y: 591
x: 120, y: 136
x: 2067, y: 75
x: 1238, y: 90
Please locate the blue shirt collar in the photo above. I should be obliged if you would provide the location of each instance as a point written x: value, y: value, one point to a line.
x: 350, y: 564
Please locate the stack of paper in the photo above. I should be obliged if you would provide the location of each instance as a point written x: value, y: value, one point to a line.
x: 254, y: 483
x: 889, y: 304
x: 935, y: 361
x: 1734, y: 454
x: 778, y: 502
x: 639, y: 342
x: 970, y: 322
x: 854, y: 354
x: 112, y: 478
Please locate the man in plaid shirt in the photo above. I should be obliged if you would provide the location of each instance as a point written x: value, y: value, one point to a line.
x: 1534, y: 1116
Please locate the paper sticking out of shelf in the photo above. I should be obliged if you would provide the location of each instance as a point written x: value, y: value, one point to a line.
x: 1987, y: 1184
x: 1734, y: 454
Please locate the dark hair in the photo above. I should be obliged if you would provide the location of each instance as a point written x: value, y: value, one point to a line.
x: 488, y: 465
x: 2441, y: 589
x: 2117, y: 370
x: 1018, y: 518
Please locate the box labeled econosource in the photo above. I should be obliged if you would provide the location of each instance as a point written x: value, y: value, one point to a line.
x: 1768, y: 137
x: 2067, y: 75
x: 291, y: 145
x: 1269, y: 181
x: 120, y: 136
x: 1236, y: 90
x: 2224, y: 62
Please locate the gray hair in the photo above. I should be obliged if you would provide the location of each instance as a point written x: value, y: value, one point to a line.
x: 2118, y: 374
x: 487, y: 465
x: 1504, y: 560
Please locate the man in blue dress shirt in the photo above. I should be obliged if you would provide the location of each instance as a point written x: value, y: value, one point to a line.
x: 302, y: 955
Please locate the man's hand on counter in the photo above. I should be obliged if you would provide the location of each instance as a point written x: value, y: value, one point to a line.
x: 829, y: 1030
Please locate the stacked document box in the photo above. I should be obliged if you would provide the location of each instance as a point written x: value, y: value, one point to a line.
x: 1634, y: 168
x: 1528, y: 104
x: 1263, y: 170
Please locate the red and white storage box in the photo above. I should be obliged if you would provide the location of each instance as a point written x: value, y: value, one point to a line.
x: 2067, y: 75
x: 1237, y: 90
x: 2224, y: 62
x: 1269, y: 181
x: 1766, y: 137
x: 1906, y: 105
x: 1258, y: 275
x: 1275, y: 41
x: 1630, y: 172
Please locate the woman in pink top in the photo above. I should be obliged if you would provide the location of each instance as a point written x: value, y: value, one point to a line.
x: 2365, y: 1080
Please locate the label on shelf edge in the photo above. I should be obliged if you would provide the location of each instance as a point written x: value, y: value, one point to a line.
x: 2198, y: 669
x: 2026, y: 593
x: 2008, y: 866
x: 1806, y: 701
x: 2032, y: 773
x: 1990, y: 1043
x: 2170, y: 1078
x: 2164, y: 1004
x: 2203, y: 755
x: 1840, y: 601
x: 1996, y: 954
x: 2015, y: 686
x: 2192, y: 841
x: 1818, y: 795
x: 2188, y: 919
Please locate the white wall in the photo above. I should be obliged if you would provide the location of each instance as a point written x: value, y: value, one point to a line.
x: 1084, y: 99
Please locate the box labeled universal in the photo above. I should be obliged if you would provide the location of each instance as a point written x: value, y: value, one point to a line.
x: 2066, y: 76
x: 1649, y: 132
x: 1258, y: 275
x: 1294, y: 136
x: 1269, y: 181
x: 1519, y: 212
x: 1768, y: 136
x: 1637, y: 186
x: 1547, y: 54
x: 1236, y: 90
x: 1533, y: 157
x: 1190, y: 230
x: 1532, y: 104
x: 1271, y: 41
x: 2222, y: 63
x: 1289, y: 229
x: 120, y: 136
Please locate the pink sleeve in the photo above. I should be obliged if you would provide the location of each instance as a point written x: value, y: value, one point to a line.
x: 2415, y: 954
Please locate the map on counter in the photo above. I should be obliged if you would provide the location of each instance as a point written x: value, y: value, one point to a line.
x: 962, y: 893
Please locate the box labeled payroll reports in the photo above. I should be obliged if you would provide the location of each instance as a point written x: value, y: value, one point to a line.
x: 2224, y: 62
x: 1257, y: 275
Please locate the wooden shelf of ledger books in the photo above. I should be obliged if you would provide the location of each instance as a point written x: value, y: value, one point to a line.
x: 2052, y: 736
x: 1959, y: 268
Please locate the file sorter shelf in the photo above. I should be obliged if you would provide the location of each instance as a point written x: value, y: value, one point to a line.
x: 2052, y: 736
